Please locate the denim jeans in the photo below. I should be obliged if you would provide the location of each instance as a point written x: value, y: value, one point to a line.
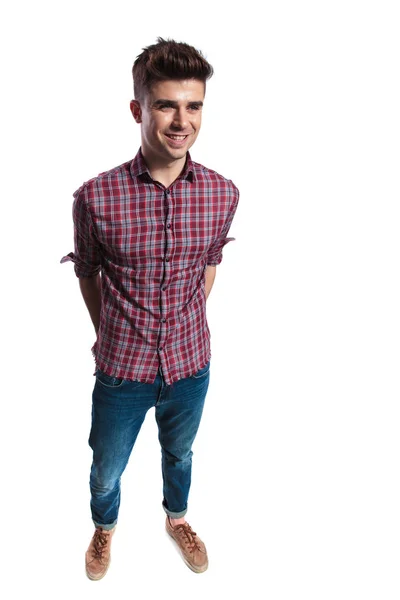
x: 118, y: 411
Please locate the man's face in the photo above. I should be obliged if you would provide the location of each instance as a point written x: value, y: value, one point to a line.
x: 170, y: 117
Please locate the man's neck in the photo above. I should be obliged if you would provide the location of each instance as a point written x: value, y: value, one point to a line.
x: 165, y: 173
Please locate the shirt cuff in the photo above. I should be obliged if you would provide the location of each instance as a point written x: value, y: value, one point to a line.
x: 215, y: 257
x: 82, y: 269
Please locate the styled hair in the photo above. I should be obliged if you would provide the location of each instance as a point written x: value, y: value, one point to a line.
x: 168, y: 60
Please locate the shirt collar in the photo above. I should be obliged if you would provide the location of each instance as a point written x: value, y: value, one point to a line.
x: 139, y: 168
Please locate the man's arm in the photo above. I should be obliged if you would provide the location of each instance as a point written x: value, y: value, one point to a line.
x: 91, y: 292
x: 210, y: 276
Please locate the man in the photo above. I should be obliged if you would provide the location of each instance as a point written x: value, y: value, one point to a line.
x: 148, y: 237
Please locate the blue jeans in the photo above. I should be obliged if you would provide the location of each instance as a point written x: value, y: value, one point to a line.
x: 118, y: 411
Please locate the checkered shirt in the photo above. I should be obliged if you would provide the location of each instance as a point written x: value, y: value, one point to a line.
x: 152, y: 245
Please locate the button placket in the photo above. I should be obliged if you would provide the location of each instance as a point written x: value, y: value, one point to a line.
x: 166, y: 274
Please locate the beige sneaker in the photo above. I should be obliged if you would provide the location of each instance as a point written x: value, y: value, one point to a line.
x: 193, y: 550
x: 98, y: 555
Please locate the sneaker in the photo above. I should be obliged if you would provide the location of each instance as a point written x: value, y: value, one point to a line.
x: 98, y: 555
x: 193, y: 550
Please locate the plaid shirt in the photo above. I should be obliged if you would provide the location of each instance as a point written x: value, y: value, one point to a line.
x: 152, y: 245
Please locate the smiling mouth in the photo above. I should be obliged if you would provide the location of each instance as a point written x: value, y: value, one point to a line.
x: 176, y: 137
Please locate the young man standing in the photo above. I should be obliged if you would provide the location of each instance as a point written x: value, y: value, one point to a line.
x: 148, y: 237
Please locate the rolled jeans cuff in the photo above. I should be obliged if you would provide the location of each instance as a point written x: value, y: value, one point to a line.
x: 175, y: 515
x: 107, y: 527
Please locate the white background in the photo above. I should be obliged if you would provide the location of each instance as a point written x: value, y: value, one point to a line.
x: 296, y: 472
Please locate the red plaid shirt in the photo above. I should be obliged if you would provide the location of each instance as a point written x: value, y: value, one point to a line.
x: 152, y: 245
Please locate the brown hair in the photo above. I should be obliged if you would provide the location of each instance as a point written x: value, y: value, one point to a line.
x: 168, y: 60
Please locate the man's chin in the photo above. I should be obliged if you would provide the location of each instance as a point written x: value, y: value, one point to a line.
x: 177, y: 154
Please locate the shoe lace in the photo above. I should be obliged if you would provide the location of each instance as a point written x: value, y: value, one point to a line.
x: 188, y: 536
x: 100, y: 541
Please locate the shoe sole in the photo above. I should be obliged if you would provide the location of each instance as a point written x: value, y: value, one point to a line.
x: 191, y: 567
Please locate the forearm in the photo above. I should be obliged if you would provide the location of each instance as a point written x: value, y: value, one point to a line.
x: 210, y: 276
x: 91, y: 292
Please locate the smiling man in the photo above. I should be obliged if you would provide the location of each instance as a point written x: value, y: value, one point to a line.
x: 148, y: 237
x: 170, y: 118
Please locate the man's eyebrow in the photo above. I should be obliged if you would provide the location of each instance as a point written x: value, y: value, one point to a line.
x: 174, y: 103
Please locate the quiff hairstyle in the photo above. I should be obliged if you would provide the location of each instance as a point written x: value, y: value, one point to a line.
x: 168, y: 60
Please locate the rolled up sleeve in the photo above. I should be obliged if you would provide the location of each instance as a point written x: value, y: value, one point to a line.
x: 87, y: 256
x: 214, y: 255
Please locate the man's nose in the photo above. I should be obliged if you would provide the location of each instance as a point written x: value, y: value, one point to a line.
x: 180, y: 118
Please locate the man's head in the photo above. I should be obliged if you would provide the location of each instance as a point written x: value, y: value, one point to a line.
x: 169, y: 86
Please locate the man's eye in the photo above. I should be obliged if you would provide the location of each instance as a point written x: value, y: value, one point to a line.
x: 194, y: 107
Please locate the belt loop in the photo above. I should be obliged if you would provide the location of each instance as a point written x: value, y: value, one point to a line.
x: 162, y: 384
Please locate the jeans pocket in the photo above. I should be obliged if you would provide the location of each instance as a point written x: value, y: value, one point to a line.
x: 202, y: 372
x: 108, y: 380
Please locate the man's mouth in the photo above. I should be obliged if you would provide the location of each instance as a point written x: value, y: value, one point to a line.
x: 177, y: 137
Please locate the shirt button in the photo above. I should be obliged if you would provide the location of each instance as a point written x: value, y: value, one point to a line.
x: 163, y: 320
x: 160, y: 348
x: 167, y: 259
x: 164, y: 288
x: 169, y: 226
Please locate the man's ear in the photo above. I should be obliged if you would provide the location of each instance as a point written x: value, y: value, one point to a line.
x: 136, y: 110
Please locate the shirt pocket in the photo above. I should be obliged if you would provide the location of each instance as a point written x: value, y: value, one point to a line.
x: 132, y: 242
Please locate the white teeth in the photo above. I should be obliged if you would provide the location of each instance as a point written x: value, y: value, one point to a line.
x: 177, y: 137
